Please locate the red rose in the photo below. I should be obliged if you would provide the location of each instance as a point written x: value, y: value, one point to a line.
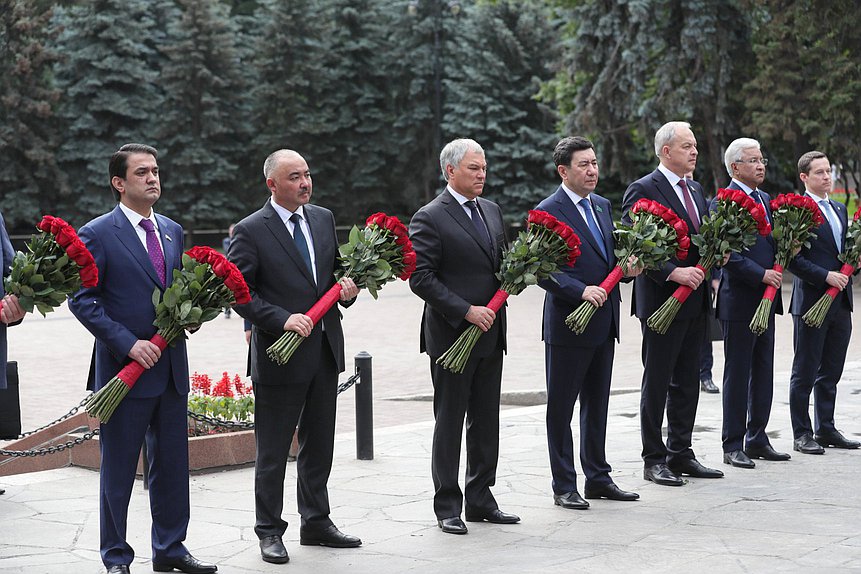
x: 57, y: 224
x: 65, y: 236
x: 685, y: 243
x: 409, y: 258
x: 197, y: 253
x: 221, y: 267
x: 76, y: 250
x: 378, y: 218
x: 234, y: 280
x: 89, y: 275
x: 681, y: 228
x: 681, y: 254
x: 668, y: 216
x: 402, y: 239
x: 45, y: 224
x: 857, y: 214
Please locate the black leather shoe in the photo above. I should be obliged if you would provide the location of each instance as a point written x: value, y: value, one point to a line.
x: 570, y: 500
x: 273, y: 551
x: 660, y: 474
x: 766, y: 452
x: 188, y: 564
x: 738, y: 459
x: 494, y: 517
x: 709, y: 386
x: 610, y: 492
x: 118, y: 569
x: 331, y: 537
x: 806, y: 445
x: 693, y: 467
x: 836, y: 439
x: 453, y: 525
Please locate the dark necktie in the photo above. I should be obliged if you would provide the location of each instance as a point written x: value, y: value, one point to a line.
x: 478, y: 222
x: 153, y: 249
x: 755, y: 195
x: 593, y: 226
x: 689, y: 205
x: 300, y: 241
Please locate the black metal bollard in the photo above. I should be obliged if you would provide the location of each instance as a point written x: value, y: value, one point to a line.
x: 364, y: 408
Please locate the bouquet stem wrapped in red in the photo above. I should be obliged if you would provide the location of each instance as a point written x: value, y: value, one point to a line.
x: 372, y: 257
x: 795, y: 216
x: 206, y: 284
x: 56, y: 265
x: 655, y: 235
x: 850, y: 256
x: 535, y: 255
x: 732, y: 226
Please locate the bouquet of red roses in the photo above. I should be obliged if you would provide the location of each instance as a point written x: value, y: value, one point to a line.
x: 206, y: 284
x: 730, y: 227
x: 535, y: 255
x: 655, y: 235
x: 56, y: 265
x: 850, y: 256
x: 794, y: 218
x: 373, y: 256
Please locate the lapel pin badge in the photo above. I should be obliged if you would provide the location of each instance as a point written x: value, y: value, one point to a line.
x: 166, y: 236
x: 598, y: 208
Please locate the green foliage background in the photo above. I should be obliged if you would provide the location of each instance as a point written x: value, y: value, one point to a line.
x: 352, y: 85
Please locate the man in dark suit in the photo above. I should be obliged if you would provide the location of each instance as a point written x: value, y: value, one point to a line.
x: 136, y: 251
x: 459, y: 238
x: 671, y: 361
x: 748, y: 376
x: 287, y: 252
x: 11, y: 312
x: 820, y: 353
x: 581, y: 365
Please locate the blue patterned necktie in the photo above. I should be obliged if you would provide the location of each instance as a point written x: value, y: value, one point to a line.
x: 836, y: 230
x: 301, y: 242
x: 593, y: 226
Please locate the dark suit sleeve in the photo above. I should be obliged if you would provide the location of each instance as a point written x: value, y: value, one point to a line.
x: 424, y: 281
x: 243, y: 253
x: 87, y: 305
x: 808, y: 271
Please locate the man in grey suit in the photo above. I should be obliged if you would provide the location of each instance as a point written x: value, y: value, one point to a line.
x: 287, y: 252
x: 11, y: 313
x: 459, y: 238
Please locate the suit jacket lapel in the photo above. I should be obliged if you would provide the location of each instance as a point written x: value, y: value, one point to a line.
x: 571, y: 214
x: 279, y: 230
x: 319, y: 238
x: 669, y: 193
x: 456, y: 211
x: 129, y: 238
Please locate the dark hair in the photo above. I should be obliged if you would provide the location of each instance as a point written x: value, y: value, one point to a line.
x: 119, y: 164
x: 566, y: 148
x: 805, y: 160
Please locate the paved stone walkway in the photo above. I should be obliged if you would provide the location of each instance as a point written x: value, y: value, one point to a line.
x: 796, y: 516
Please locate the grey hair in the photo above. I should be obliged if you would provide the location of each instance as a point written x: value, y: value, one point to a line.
x: 272, y: 161
x: 666, y: 133
x: 733, y: 151
x: 453, y: 152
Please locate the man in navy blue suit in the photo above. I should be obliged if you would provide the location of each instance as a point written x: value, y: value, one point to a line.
x: 581, y: 365
x: 136, y: 251
x: 820, y: 353
x: 748, y: 377
x: 672, y: 361
x: 11, y: 312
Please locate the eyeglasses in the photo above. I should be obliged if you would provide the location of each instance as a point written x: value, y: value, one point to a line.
x: 753, y: 161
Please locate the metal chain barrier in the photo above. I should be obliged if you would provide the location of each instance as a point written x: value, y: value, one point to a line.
x: 233, y: 425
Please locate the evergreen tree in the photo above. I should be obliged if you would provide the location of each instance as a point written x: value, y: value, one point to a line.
x: 110, y: 91
x: 206, y: 115
x: 499, y: 62
x: 29, y: 176
x: 350, y: 150
x: 630, y: 67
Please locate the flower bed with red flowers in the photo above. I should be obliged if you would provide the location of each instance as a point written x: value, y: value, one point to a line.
x: 228, y: 399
